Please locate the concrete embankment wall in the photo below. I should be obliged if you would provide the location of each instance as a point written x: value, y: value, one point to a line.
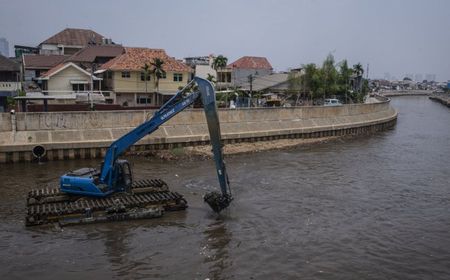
x: 413, y: 92
x: 442, y: 98
x: 68, y: 135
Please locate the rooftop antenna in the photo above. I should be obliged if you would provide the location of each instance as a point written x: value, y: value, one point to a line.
x: 367, y: 72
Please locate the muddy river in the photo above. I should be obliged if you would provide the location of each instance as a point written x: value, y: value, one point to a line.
x: 373, y: 207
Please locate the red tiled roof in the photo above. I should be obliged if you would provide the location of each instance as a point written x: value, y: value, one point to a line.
x: 89, y: 53
x: 75, y: 37
x: 251, y: 62
x: 37, y: 61
x: 134, y: 59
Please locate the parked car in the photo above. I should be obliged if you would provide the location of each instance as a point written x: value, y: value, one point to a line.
x: 332, y: 102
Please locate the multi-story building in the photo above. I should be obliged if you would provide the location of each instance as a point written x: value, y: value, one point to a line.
x: 4, y: 47
x: 9, y: 80
x: 202, y: 65
x: 125, y: 76
x: 238, y: 72
x: 71, y: 40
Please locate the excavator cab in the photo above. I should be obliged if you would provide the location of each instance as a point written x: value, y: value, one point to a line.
x: 124, y: 176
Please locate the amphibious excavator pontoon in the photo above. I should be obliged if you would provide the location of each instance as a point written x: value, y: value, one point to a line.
x: 89, y: 195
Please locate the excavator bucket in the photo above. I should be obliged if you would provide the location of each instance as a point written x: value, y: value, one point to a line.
x: 217, y: 201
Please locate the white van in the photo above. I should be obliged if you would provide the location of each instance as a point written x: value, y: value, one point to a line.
x: 332, y: 102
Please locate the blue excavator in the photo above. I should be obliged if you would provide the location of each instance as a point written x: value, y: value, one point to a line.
x: 86, y: 191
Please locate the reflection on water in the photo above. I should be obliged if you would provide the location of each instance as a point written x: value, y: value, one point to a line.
x: 364, y: 208
x: 215, y: 249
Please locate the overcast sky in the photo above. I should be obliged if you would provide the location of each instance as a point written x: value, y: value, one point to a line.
x: 395, y: 36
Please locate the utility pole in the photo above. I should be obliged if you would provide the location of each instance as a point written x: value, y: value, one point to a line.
x: 250, y: 80
x: 367, y: 72
x: 92, y: 88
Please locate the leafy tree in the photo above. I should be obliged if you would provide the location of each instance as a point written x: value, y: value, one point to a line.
x: 310, y: 80
x: 158, y: 71
x: 329, y: 76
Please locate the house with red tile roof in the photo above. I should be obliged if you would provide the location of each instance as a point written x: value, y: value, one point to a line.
x: 238, y: 72
x: 71, y: 40
x: 125, y: 76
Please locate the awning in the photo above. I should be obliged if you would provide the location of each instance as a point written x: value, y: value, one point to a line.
x: 78, y: 82
x: 100, y: 71
x: 46, y: 97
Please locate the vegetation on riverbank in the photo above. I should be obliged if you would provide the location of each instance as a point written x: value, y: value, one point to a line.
x: 332, y: 80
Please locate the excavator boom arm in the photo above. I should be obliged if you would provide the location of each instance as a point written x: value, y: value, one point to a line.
x: 175, y: 105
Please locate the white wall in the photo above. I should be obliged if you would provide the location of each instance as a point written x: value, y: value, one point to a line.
x: 61, y: 80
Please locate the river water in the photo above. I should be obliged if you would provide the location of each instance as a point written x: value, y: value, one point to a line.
x: 373, y: 207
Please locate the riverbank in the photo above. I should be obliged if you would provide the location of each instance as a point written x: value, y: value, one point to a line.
x: 394, y: 93
x: 204, y: 151
x: 78, y: 135
x: 442, y: 98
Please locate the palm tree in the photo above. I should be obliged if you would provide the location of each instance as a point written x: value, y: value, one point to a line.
x: 359, y: 71
x: 220, y: 62
x: 345, y: 74
x: 158, y: 71
x: 146, y: 70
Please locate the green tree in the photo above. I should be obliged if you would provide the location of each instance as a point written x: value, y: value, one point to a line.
x: 329, y: 76
x: 345, y: 74
x: 146, y: 71
x: 211, y: 78
x: 220, y: 62
x: 310, y: 80
x: 158, y: 71
x: 358, y: 69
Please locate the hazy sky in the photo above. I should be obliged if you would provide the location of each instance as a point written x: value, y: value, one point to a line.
x: 395, y: 36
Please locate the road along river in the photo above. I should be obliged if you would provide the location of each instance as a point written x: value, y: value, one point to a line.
x: 374, y: 207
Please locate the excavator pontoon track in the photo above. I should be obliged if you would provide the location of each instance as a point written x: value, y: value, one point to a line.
x: 148, y: 199
x: 50, y: 195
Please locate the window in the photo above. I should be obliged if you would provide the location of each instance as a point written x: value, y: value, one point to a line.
x: 78, y: 87
x: 163, y: 75
x: 125, y: 74
x: 145, y: 100
x: 109, y: 75
x: 177, y: 77
x: 224, y: 77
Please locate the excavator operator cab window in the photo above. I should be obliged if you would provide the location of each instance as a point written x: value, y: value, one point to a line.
x: 125, y: 175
